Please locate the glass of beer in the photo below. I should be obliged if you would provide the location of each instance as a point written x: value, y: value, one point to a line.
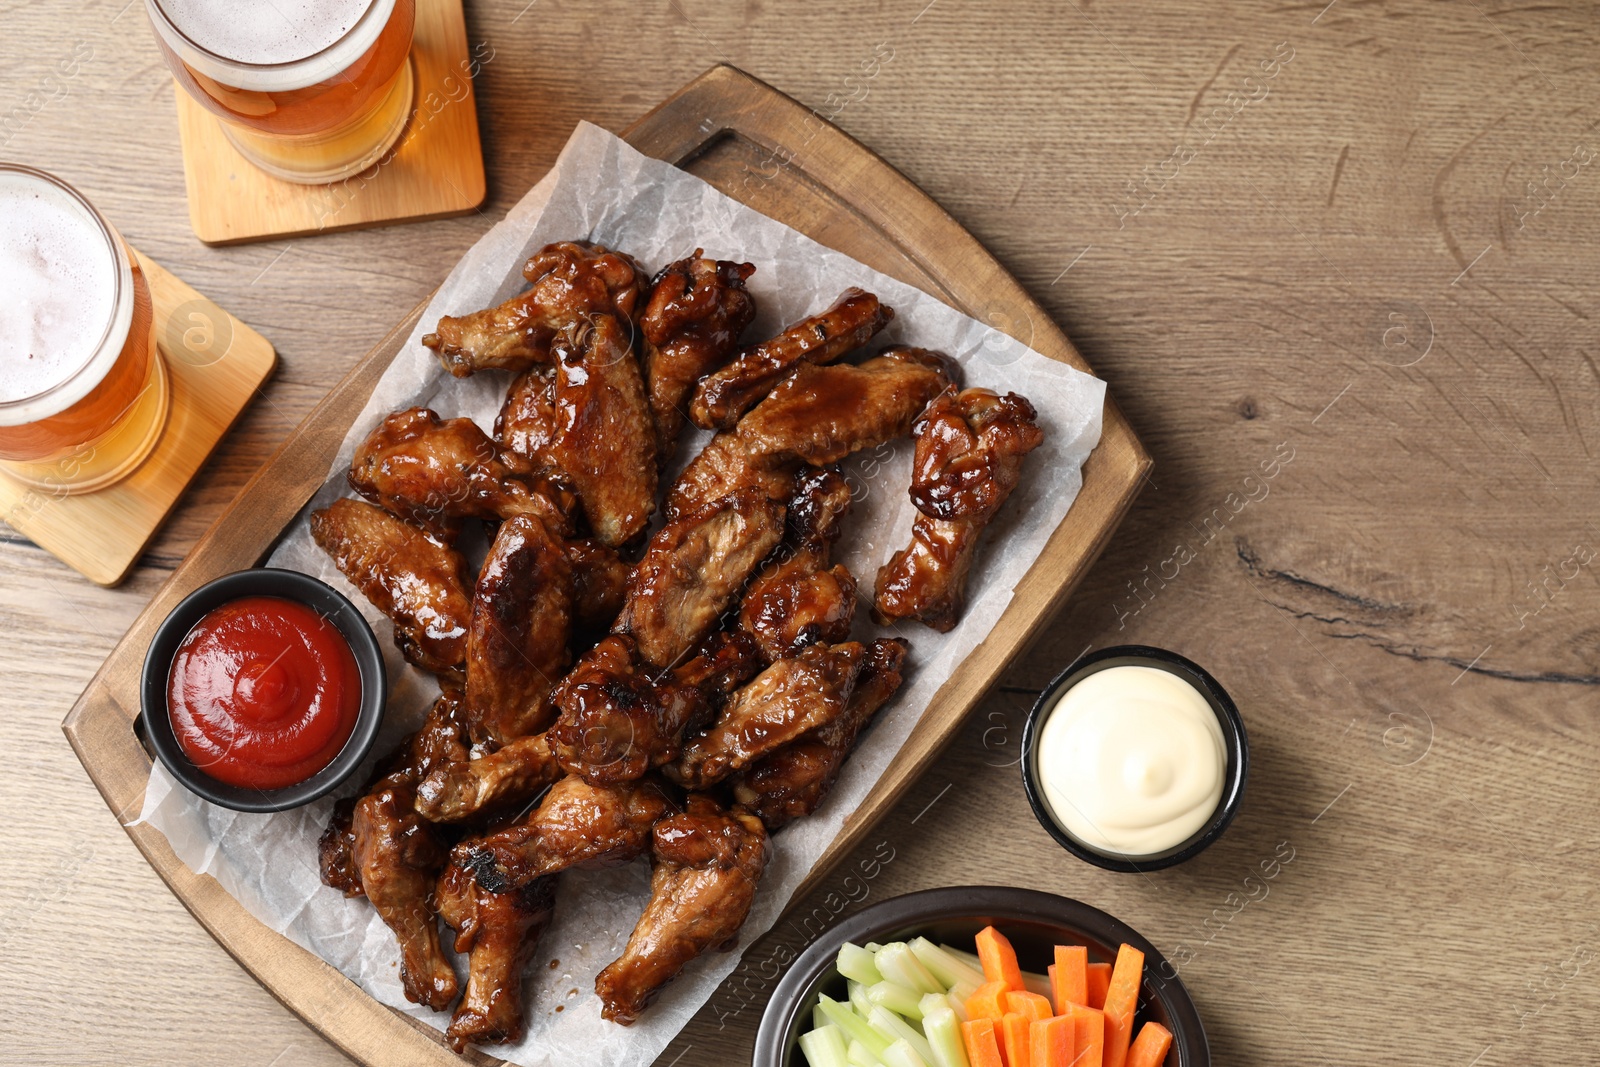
x: 310, y: 91
x: 83, y: 388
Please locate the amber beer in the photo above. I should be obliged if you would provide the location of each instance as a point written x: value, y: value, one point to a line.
x: 83, y: 389
x: 310, y: 91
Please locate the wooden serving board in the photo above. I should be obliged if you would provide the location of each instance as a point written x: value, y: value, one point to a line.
x: 762, y: 148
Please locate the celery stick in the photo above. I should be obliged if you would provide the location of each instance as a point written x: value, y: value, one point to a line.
x: 897, y: 963
x: 856, y: 964
x: 902, y: 1054
x: 947, y: 968
x: 897, y: 998
x: 859, y: 1000
x: 944, y: 1037
x: 818, y: 1020
x: 824, y: 1047
x: 958, y: 996
x: 1037, y: 983
x: 891, y: 1026
x: 854, y: 1025
x: 932, y: 1002
x: 872, y: 946
x: 860, y: 1057
x: 969, y: 958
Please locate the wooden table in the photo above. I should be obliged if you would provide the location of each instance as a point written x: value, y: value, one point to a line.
x: 1337, y: 265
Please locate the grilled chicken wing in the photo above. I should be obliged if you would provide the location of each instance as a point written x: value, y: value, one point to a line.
x: 969, y: 451
x: 617, y: 722
x: 576, y: 825
x: 696, y: 312
x: 335, y: 851
x: 434, y: 472
x: 796, y: 599
x: 818, y: 416
x: 571, y: 281
x: 456, y: 792
x: 792, y: 781
x: 500, y: 932
x: 410, y: 577
x: 788, y: 699
x: 522, y: 611
x: 599, y: 584
x: 707, y: 864
x: 730, y: 392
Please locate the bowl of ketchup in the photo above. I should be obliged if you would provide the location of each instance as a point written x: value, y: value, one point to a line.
x: 263, y: 690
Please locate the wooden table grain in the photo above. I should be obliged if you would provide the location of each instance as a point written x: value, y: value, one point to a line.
x: 1336, y: 262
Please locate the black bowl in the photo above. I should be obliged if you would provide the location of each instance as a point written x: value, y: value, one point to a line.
x: 1034, y: 922
x: 1233, y: 737
x: 289, y: 585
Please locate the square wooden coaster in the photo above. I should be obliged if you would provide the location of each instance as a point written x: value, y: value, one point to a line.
x: 435, y: 171
x: 215, y: 363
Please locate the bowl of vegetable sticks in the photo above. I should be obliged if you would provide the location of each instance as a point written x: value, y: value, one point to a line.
x: 981, y: 976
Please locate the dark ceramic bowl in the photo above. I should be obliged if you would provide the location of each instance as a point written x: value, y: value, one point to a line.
x: 289, y: 585
x: 1233, y: 738
x: 1034, y: 922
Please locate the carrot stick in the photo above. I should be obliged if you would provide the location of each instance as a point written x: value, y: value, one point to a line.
x: 1014, y: 1034
x: 989, y: 1002
x: 1069, y: 977
x: 983, y: 1049
x: 1089, y: 1036
x: 1122, y: 997
x: 1099, y: 977
x: 1150, y: 1047
x: 1051, y: 1042
x: 1030, y: 1004
x: 999, y: 959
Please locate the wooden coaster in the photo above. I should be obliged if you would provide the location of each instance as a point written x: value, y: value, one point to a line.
x: 435, y: 171
x: 215, y: 363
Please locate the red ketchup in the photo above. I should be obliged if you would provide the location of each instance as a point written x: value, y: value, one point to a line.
x: 263, y: 693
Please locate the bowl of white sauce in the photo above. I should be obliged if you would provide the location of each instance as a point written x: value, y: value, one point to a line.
x: 1134, y: 758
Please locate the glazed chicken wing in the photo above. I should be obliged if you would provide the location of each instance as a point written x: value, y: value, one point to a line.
x: 727, y: 394
x: 696, y: 312
x: 417, y: 582
x: 792, y: 781
x: 515, y: 772
x: 435, y: 472
x: 571, y: 281
x: 790, y: 698
x: 797, y: 599
x: 969, y: 451
x: 500, y: 932
x: 522, y: 610
x: 707, y: 864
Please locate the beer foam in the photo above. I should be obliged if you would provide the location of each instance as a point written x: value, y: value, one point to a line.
x: 58, y: 274
x: 276, y: 35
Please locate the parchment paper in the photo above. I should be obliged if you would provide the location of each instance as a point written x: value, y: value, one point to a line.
x: 602, y: 189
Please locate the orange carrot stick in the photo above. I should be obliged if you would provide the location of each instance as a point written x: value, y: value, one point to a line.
x: 1050, y: 1042
x: 983, y: 1048
x: 989, y: 1002
x: 1014, y: 1037
x: 1069, y: 977
x: 1089, y: 1036
x: 1030, y: 1004
x: 1099, y: 977
x: 1122, y: 997
x: 1150, y: 1047
x: 999, y: 959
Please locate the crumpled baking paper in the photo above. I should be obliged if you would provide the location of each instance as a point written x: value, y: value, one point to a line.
x: 604, y: 190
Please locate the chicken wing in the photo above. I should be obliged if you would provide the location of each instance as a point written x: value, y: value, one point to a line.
x: 456, y: 792
x: 335, y: 851
x: 969, y: 451
x: 727, y: 394
x: 696, y: 312
x: 818, y: 416
x: 790, y: 698
x: 434, y: 472
x: 417, y: 582
x: 576, y: 825
x: 707, y: 864
x: 796, y: 599
x: 792, y: 781
x: 571, y: 281
x: 599, y: 584
x: 500, y: 932
x: 693, y: 570
x: 522, y: 610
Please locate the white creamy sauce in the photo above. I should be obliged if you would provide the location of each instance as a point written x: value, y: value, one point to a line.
x: 1132, y: 760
